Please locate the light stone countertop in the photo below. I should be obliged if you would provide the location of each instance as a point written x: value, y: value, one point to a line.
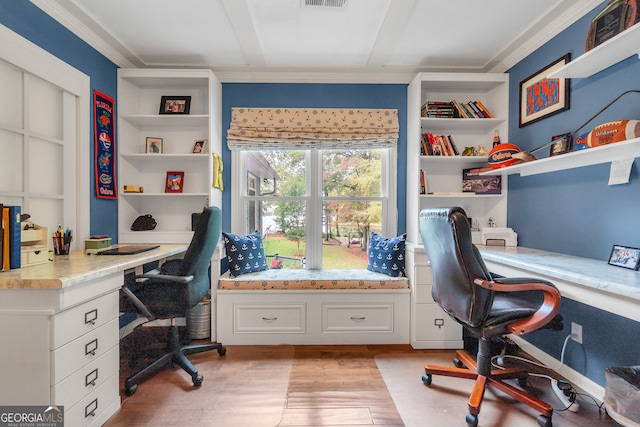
x: 586, y: 272
x: 78, y: 267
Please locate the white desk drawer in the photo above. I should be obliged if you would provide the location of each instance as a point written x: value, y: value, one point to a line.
x: 78, y: 353
x: 433, y: 324
x: 91, y: 407
x: 269, y: 318
x: 70, y: 324
x: 357, y: 317
x: 86, y: 379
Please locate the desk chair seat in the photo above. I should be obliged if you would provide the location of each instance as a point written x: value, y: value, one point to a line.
x: 489, y: 308
x: 180, y: 286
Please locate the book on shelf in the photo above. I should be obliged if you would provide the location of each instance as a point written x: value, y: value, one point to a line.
x: 454, y: 109
x: 423, y: 183
x: 438, y: 145
x: 439, y: 109
x: 5, y: 238
x: 11, y: 233
x: 473, y: 182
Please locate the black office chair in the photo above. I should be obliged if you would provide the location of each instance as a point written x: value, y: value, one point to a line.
x: 180, y: 286
x: 488, y: 308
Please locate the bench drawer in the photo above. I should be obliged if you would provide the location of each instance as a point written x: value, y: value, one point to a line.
x: 269, y: 318
x: 343, y: 318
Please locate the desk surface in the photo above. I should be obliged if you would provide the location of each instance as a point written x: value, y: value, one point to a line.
x: 585, y: 272
x: 78, y: 267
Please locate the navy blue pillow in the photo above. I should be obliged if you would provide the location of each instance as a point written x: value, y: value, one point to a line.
x: 387, y: 255
x: 245, y: 254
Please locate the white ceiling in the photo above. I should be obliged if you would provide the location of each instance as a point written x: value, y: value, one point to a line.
x: 284, y: 40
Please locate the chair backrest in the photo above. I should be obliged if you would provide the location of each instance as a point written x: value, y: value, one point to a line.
x: 197, y: 258
x: 455, y: 262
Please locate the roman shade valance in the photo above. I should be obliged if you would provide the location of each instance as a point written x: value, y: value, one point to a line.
x: 299, y: 128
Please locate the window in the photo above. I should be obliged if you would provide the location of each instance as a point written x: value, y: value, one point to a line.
x: 315, y: 208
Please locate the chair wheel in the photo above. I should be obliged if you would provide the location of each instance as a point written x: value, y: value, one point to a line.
x: 222, y: 351
x: 426, y: 379
x: 197, y: 380
x: 544, y: 421
x: 458, y: 363
x: 130, y: 390
x: 472, y: 420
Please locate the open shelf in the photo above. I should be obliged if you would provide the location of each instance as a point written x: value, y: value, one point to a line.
x: 590, y: 156
x: 449, y: 125
x: 611, y: 52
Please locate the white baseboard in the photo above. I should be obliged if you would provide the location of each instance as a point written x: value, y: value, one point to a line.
x: 574, y: 377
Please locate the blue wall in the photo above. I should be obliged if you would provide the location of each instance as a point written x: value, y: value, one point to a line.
x: 31, y: 23
x: 575, y: 212
x: 316, y: 95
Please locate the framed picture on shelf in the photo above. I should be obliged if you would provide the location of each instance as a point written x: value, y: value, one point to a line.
x: 541, y: 96
x: 622, y: 256
x: 154, y: 145
x: 199, y: 146
x: 175, y: 104
x: 174, y: 182
x: 560, y: 144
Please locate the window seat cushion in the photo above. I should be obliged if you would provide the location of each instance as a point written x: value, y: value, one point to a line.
x: 278, y: 279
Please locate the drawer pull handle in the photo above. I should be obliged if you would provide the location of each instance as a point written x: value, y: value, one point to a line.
x: 91, y: 347
x: 269, y: 319
x: 358, y: 319
x: 91, y: 316
x: 439, y: 323
x: 91, y: 378
x: 91, y: 408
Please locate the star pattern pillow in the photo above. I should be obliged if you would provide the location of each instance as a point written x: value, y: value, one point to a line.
x: 245, y: 254
x: 386, y: 255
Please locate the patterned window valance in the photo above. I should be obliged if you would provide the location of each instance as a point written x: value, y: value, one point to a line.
x: 326, y: 128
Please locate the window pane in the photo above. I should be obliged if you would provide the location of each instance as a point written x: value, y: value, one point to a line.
x: 284, y: 236
x: 351, y: 173
x: 346, y: 234
x: 276, y: 173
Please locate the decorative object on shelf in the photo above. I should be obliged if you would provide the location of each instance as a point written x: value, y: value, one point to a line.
x: 133, y: 189
x: 473, y: 182
x: 496, y: 138
x: 96, y: 243
x: 608, y: 133
x: 154, y: 145
x: 616, y: 17
x: 199, y: 145
x: 105, y: 146
x: 561, y: 144
x: 144, y: 223
x: 626, y: 257
x: 174, y: 182
x: 541, y: 96
x: 175, y: 104
x: 468, y: 151
x: 501, y: 155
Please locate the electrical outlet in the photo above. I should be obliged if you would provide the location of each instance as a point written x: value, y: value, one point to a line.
x: 576, y: 332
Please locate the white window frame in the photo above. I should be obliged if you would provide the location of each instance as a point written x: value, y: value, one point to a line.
x: 314, y: 199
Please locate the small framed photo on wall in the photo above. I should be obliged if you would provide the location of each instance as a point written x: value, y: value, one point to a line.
x: 622, y: 256
x: 199, y: 145
x: 174, y: 182
x: 154, y: 145
x: 560, y: 144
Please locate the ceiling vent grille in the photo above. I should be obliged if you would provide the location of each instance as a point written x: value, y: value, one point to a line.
x: 324, y: 3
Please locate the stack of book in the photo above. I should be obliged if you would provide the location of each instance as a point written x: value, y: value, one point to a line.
x: 439, y: 109
x: 10, y: 237
x: 472, y: 110
x: 438, y: 145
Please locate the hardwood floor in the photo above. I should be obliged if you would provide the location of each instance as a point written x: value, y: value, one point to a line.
x: 354, y: 385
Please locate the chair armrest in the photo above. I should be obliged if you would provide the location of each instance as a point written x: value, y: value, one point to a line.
x: 548, y: 309
x: 165, y: 277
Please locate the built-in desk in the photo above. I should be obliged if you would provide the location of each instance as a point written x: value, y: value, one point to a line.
x: 59, y: 333
x: 585, y: 280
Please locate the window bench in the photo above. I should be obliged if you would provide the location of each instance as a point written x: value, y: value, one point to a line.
x: 312, y: 307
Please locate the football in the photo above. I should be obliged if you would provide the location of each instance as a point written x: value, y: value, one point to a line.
x: 611, y: 132
x: 500, y: 155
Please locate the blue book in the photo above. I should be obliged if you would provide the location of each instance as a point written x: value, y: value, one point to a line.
x: 14, y: 236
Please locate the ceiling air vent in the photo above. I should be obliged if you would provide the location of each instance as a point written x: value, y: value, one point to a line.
x: 324, y: 3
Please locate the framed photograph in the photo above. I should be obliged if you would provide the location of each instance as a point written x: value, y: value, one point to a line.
x: 560, y: 144
x: 175, y: 104
x: 622, y: 256
x: 154, y: 145
x: 541, y: 96
x: 199, y: 146
x: 174, y: 182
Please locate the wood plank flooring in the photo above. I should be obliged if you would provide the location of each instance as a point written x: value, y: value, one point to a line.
x: 318, y: 386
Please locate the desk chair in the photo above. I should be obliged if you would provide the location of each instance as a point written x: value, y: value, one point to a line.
x: 488, y: 308
x: 180, y: 286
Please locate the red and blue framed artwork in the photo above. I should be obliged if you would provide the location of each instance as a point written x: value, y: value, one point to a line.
x: 104, y: 146
x: 541, y: 96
